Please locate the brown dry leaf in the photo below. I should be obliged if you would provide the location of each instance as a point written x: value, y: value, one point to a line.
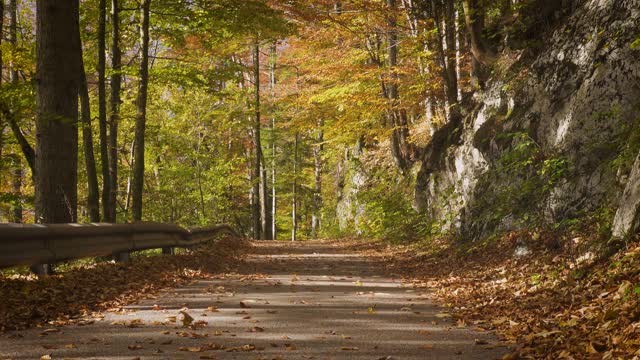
x: 186, y: 318
x: 191, y: 348
x: 244, y: 305
x: 349, y: 348
x: 135, y: 347
x: 212, y: 309
x: 45, y: 357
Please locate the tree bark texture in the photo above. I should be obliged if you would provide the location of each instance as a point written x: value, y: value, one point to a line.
x: 141, y: 114
x: 93, y: 202
x: 114, y: 118
x: 102, y: 107
x: 58, y: 67
x: 257, y: 204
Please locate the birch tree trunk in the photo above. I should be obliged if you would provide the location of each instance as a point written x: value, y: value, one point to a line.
x: 258, y: 205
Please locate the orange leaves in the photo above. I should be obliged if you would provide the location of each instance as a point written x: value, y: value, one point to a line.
x: 549, y: 305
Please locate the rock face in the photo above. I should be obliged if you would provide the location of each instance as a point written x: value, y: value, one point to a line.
x: 627, y: 217
x: 552, y: 137
x: 548, y: 140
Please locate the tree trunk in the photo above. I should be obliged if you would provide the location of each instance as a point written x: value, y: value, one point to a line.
x: 272, y: 81
x: 16, y: 211
x: 294, y: 201
x: 141, y: 116
x: 257, y: 204
x: 446, y: 56
x: 2, y: 121
x: 102, y: 107
x: 397, y: 118
x: 116, y: 81
x: 18, y: 172
x: 317, y: 189
x: 450, y: 40
x: 57, y: 66
x: 27, y: 150
x: 1, y: 37
x: 87, y: 142
x: 274, y: 225
x: 481, y: 50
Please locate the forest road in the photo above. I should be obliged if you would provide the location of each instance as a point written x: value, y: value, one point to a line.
x: 312, y: 300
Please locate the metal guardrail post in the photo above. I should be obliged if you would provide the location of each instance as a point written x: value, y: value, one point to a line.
x: 42, y: 269
x: 168, y: 251
x: 122, y: 257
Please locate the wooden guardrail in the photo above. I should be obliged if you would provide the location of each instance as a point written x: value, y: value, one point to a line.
x: 29, y: 244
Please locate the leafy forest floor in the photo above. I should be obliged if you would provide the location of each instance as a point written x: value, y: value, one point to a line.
x: 542, y: 301
x: 541, y: 294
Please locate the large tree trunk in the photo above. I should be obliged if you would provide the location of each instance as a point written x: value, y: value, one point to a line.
x: 317, y: 188
x: 141, y: 116
x: 87, y: 142
x: 58, y: 67
x: 116, y: 81
x: 257, y: 204
x: 102, y: 107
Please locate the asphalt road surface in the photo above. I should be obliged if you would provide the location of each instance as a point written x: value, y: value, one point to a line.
x: 288, y: 301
